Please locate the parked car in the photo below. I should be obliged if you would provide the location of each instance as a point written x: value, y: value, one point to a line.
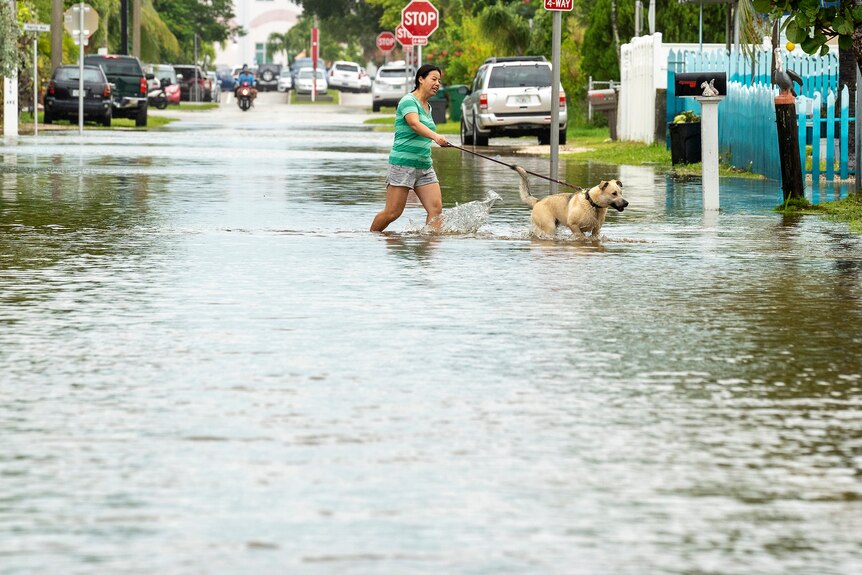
x: 267, y: 76
x: 285, y: 82
x: 345, y: 76
x: 511, y: 97
x: 300, y: 63
x: 304, y: 81
x: 167, y: 77
x: 215, y: 85
x: 129, y: 91
x: 393, y: 81
x: 190, y: 76
x: 226, y: 79
x: 61, y: 95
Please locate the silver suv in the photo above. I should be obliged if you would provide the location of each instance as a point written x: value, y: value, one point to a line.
x: 511, y: 97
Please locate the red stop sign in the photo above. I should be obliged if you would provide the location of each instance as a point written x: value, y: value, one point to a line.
x: 386, y: 41
x: 403, y: 36
x: 420, y: 18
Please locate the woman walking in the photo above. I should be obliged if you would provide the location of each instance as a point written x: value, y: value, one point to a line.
x: 410, y: 165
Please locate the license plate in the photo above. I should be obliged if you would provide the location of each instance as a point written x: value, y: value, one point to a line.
x: 74, y: 93
x: 521, y: 100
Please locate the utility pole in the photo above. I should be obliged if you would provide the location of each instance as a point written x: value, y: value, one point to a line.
x: 136, y: 28
x: 124, y: 27
x: 10, y: 88
x: 56, y: 34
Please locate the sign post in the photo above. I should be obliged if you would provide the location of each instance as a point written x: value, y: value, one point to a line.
x: 557, y: 7
x: 314, y: 48
x: 81, y: 22
x: 406, y: 40
x: 420, y: 18
x: 36, y: 28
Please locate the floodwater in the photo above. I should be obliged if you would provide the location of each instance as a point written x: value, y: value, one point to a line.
x: 208, y: 365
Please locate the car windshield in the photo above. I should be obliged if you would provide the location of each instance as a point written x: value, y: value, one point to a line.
x: 285, y: 73
x: 306, y: 74
x: 166, y: 73
x: 391, y: 73
x: 347, y: 68
x: 118, y: 66
x: 520, y: 76
x: 71, y: 74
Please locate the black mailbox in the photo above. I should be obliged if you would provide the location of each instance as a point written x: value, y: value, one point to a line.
x: 700, y: 84
x: 603, y: 99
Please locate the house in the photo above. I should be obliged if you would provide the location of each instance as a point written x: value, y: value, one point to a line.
x: 259, y: 19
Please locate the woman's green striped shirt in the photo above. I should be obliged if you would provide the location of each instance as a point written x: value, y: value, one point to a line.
x: 411, y: 149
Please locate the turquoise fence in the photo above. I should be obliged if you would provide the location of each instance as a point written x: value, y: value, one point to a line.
x: 747, y: 134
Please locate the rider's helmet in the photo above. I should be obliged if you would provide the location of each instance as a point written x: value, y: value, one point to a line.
x: 244, y: 68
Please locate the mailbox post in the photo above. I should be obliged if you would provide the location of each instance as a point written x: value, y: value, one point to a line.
x: 709, y: 89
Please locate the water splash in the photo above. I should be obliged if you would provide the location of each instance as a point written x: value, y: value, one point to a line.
x: 463, y: 218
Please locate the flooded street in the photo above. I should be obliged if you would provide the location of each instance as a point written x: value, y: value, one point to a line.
x: 209, y: 365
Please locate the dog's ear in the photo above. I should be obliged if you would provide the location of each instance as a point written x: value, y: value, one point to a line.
x: 619, y: 183
x: 603, y: 185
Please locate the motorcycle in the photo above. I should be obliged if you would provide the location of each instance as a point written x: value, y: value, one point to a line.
x: 157, y: 97
x: 244, y: 96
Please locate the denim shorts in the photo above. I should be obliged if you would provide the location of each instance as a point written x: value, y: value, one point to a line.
x: 409, y: 177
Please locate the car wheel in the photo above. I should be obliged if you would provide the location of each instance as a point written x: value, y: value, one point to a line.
x: 375, y: 107
x: 47, y: 118
x: 106, y: 120
x: 466, y: 138
x: 478, y: 138
x: 545, y: 138
x: 141, y: 118
x: 562, y: 137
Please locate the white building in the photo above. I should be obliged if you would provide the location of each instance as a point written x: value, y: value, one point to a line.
x: 259, y: 18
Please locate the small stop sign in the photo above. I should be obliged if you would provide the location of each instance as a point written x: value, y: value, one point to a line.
x: 420, y: 18
x: 386, y: 41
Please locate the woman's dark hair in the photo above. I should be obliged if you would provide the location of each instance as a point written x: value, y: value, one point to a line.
x: 424, y: 70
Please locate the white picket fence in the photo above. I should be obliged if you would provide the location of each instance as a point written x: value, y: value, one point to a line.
x: 643, y: 70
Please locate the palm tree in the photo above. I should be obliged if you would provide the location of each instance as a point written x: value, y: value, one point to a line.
x: 279, y: 43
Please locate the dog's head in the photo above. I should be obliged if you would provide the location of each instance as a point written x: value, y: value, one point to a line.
x: 609, y: 194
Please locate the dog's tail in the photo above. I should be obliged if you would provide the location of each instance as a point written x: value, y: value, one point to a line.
x: 524, y: 187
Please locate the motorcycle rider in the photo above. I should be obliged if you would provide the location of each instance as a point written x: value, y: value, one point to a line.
x: 245, y: 76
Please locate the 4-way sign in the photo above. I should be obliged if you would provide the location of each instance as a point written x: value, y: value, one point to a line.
x: 559, y: 5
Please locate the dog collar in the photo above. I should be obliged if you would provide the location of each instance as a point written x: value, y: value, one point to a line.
x: 589, y: 199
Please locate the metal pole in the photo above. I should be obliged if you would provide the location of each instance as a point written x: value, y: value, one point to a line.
x: 857, y: 171
x: 35, y: 85
x: 700, y: 28
x: 197, y: 87
x: 637, y: 17
x: 555, y: 99
x: 124, y: 27
x: 419, y: 57
x: 81, y: 69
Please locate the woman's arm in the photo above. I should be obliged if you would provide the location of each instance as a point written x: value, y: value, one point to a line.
x: 412, y: 119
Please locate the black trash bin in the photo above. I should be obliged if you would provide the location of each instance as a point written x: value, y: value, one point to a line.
x: 438, y: 110
x: 685, y: 143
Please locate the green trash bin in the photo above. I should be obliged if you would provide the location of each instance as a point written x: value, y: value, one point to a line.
x: 455, y: 94
x: 438, y: 107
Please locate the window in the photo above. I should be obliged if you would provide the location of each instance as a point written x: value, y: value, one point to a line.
x: 520, y: 76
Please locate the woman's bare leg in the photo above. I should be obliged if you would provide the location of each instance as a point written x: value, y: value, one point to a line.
x: 432, y: 200
x: 396, y: 199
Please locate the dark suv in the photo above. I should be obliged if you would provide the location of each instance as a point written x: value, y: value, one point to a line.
x: 129, y: 92
x: 267, y: 76
x: 511, y: 97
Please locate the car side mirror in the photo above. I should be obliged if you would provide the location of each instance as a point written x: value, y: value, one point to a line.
x: 150, y: 76
x: 179, y: 76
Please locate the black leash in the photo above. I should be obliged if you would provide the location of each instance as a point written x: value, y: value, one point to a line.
x: 512, y: 167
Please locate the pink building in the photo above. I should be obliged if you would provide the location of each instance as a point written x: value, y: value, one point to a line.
x: 259, y: 18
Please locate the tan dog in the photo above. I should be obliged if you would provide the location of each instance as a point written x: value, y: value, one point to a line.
x: 580, y: 212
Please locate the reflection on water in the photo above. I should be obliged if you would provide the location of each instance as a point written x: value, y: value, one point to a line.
x: 210, y: 357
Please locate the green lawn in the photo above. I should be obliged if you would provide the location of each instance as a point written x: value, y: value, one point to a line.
x: 336, y: 98
x: 153, y: 122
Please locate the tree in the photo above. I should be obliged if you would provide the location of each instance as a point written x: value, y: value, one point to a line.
x: 812, y: 23
x: 210, y: 21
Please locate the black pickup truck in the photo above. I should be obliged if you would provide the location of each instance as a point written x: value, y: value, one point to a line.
x: 130, y: 85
